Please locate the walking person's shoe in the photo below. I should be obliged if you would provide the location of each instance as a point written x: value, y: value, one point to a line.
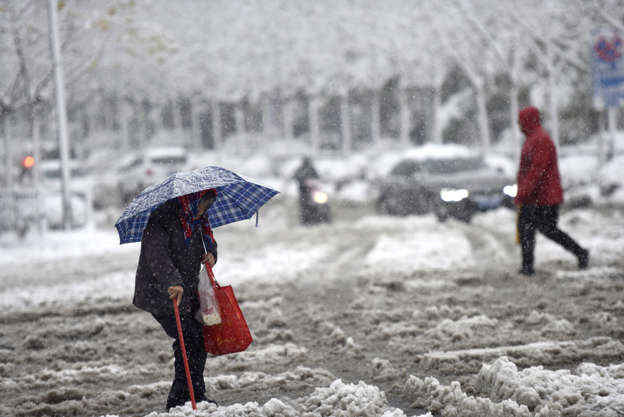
x: 583, y: 259
x: 526, y: 271
x: 202, y: 398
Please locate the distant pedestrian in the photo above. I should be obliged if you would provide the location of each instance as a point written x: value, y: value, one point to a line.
x: 540, y: 193
x: 172, y: 250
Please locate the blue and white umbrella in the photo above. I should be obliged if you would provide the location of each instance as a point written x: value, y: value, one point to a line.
x: 237, y: 199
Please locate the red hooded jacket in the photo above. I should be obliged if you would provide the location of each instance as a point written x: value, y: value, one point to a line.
x: 539, y: 182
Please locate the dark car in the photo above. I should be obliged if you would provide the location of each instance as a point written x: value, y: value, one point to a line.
x: 448, y: 187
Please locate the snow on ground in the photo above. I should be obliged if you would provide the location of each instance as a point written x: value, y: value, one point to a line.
x: 369, y: 316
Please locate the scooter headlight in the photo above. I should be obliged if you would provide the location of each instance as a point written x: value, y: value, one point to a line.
x: 452, y: 195
x: 511, y: 190
x: 320, y: 197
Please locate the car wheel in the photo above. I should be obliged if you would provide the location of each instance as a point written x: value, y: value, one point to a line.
x: 441, y: 213
x: 383, y: 206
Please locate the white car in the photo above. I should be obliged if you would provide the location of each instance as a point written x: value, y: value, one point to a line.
x: 81, y: 192
x: 143, y: 169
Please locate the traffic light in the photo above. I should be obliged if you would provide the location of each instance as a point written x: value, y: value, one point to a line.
x: 26, y: 171
x: 28, y: 162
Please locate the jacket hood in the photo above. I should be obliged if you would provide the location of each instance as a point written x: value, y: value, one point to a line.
x: 529, y: 119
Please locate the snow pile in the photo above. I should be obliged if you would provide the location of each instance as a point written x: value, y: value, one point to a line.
x: 549, y: 324
x: 417, y: 249
x: 262, y: 381
x: 383, y: 370
x: 52, y: 245
x: 336, y: 338
x: 451, y: 401
x: 116, y: 286
x: 344, y: 400
x: 462, y: 329
x: 274, y: 354
x: 588, y: 390
x: 337, y: 400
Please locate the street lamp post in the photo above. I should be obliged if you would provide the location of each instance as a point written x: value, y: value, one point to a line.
x: 61, y: 115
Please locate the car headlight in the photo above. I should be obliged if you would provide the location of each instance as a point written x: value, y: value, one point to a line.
x: 511, y: 190
x: 453, y: 195
x: 320, y: 197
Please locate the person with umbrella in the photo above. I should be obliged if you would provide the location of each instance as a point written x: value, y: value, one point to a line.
x: 173, y: 220
x: 172, y: 251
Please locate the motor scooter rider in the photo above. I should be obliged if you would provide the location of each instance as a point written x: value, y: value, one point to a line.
x: 303, y: 175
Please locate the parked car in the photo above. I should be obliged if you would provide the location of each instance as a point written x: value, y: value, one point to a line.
x: 449, y: 187
x: 80, y: 194
x: 148, y: 167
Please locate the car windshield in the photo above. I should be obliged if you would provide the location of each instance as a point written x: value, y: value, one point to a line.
x: 406, y: 168
x: 169, y: 160
x: 451, y: 166
x: 54, y: 174
x: 409, y: 167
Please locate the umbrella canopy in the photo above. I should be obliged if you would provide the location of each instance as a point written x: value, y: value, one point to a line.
x: 237, y: 199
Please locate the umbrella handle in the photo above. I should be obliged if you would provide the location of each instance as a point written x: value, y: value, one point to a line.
x: 184, y: 358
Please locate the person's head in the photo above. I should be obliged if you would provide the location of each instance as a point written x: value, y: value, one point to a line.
x: 529, y: 119
x: 206, y: 200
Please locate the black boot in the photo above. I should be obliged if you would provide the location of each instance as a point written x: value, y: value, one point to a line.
x: 526, y: 271
x: 583, y: 259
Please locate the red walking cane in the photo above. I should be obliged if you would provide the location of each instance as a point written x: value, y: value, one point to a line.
x: 186, y: 366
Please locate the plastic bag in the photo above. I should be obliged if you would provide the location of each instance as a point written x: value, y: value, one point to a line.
x: 208, y: 306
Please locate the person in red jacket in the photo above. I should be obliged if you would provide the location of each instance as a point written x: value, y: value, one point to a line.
x: 540, y: 193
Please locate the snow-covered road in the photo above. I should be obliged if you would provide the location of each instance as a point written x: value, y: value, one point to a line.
x: 371, y: 315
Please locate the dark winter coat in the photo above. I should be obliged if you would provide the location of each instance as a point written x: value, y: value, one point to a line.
x: 165, y: 261
x: 539, y: 182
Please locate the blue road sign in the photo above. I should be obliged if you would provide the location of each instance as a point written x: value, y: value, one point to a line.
x: 607, y: 67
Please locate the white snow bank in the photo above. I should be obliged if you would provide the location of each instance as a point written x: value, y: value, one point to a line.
x: 53, y: 245
x: 503, y: 390
x: 339, y: 399
x: 461, y: 329
x: 587, y: 390
x: 117, y: 286
x: 452, y: 401
x: 431, y: 246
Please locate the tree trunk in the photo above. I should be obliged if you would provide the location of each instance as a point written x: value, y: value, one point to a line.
x: 124, y: 132
x: 160, y: 113
x: 36, y: 136
x: 288, y: 118
x: 178, y: 129
x: 553, y: 104
x: 484, y: 126
x: 313, y: 120
x: 612, y: 122
x: 436, y: 131
x: 217, y: 132
x: 405, y: 123
x: 8, y: 165
x: 267, y: 125
x: 239, y: 117
x: 345, y: 124
x: 196, y: 127
x: 376, y: 117
x: 513, y: 114
x: 141, y: 122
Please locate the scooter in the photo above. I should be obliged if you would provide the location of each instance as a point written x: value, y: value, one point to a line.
x: 314, y: 204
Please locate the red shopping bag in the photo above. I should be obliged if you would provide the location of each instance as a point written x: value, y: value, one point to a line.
x: 232, y: 334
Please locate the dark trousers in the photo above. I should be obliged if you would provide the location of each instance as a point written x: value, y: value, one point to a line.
x: 192, y: 332
x: 544, y: 219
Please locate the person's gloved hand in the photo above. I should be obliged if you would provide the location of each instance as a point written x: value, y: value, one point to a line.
x: 175, y: 292
x: 208, y: 258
